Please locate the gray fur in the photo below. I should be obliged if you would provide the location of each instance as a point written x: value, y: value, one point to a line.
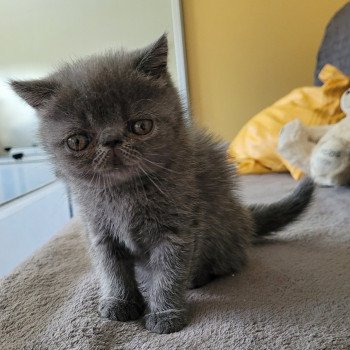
x: 161, y: 210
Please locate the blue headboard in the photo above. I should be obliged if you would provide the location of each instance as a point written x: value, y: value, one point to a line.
x: 335, y: 46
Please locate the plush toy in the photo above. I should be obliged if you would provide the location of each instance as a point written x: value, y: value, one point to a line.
x: 323, y: 152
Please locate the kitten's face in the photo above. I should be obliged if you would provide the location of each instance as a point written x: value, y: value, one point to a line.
x: 110, y: 119
x: 111, y: 132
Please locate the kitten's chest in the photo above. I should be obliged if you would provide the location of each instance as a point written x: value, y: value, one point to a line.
x: 109, y: 213
x: 135, y: 222
x: 118, y: 215
x: 132, y: 222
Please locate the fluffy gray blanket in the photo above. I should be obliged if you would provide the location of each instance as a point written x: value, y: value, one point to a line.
x: 294, y: 294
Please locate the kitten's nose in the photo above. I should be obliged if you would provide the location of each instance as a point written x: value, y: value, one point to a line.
x: 110, y: 138
x: 111, y: 142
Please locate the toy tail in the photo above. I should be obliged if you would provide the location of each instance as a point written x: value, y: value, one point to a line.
x: 273, y: 217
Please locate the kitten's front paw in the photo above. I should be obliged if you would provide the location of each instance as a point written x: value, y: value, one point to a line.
x: 121, y: 310
x: 166, y: 322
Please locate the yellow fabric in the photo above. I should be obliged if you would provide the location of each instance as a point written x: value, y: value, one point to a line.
x: 255, y: 147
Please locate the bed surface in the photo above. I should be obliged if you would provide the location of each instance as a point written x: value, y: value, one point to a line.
x: 294, y: 293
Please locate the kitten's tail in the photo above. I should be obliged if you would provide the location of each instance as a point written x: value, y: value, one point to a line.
x: 269, y: 218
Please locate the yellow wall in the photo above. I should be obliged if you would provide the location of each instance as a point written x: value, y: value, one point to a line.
x: 244, y: 54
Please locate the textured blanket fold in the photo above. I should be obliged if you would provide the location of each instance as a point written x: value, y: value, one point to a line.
x: 294, y: 293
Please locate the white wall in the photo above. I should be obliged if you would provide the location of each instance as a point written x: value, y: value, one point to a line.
x: 37, y: 35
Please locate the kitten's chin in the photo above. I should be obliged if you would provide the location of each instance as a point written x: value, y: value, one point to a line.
x: 118, y: 175
x: 104, y: 177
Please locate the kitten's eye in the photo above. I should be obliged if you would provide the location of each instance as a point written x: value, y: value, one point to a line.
x: 141, y: 127
x: 77, y: 142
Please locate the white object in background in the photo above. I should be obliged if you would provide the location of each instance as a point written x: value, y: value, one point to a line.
x: 28, y: 222
x: 28, y: 151
x: 18, y: 177
x: 180, y: 52
x: 322, y: 151
x: 330, y: 159
x: 18, y: 122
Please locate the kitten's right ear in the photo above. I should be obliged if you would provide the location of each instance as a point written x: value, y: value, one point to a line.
x: 34, y: 92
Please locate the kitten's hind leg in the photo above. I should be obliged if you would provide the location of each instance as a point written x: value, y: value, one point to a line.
x: 206, y: 275
x: 202, y: 277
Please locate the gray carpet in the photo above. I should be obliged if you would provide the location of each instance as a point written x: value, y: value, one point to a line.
x: 294, y: 294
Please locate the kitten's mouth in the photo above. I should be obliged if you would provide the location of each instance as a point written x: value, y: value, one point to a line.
x: 117, y: 163
x: 116, y: 168
x: 113, y: 166
x: 110, y: 162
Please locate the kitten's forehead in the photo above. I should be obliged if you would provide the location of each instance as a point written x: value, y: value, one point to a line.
x: 101, y: 89
x: 114, y: 87
x: 114, y: 64
x: 110, y: 79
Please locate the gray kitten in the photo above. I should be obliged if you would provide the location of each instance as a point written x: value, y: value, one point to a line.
x: 157, y: 195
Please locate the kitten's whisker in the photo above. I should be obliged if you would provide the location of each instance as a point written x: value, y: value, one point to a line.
x: 131, y: 156
x: 156, y: 164
x: 143, y: 188
x: 136, y: 189
x: 169, y: 198
x: 153, y: 182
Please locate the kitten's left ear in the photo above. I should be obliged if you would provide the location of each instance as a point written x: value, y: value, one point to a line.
x: 153, y: 60
x: 35, y: 92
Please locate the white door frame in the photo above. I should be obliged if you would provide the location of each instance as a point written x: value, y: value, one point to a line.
x: 180, y: 52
